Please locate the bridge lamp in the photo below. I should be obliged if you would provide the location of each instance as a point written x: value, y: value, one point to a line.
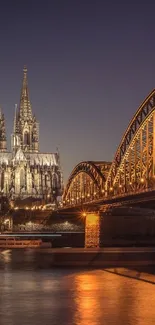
x: 120, y: 186
x: 103, y: 191
x: 88, y: 195
x: 111, y: 189
x: 142, y: 180
x: 84, y: 214
x: 95, y: 193
x: 130, y: 183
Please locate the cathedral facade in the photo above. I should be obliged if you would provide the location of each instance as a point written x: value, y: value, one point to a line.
x: 25, y: 171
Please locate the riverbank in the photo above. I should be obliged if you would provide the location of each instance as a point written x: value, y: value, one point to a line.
x: 99, y: 257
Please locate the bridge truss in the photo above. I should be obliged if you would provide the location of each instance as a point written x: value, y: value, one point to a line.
x: 132, y: 170
x: 86, y: 182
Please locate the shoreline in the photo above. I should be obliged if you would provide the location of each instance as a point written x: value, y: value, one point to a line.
x: 99, y: 257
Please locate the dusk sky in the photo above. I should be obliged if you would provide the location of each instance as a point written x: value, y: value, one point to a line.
x: 90, y: 65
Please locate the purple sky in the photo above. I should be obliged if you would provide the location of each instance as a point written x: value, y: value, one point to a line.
x: 90, y: 65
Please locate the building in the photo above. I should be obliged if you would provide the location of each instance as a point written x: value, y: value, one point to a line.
x: 24, y: 171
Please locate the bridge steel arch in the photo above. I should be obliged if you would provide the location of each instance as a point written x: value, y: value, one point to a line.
x: 133, y: 167
x: 86, y: 182
x: 132, y: 170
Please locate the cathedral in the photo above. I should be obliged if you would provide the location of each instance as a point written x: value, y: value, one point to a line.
x: 24, y: 171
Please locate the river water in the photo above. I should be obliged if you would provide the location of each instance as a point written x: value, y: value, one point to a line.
x: 30, y: 294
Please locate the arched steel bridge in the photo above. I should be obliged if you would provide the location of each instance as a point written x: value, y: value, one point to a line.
x: 132, y: 170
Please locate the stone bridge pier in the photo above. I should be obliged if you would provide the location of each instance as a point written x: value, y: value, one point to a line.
x: 92, y: 230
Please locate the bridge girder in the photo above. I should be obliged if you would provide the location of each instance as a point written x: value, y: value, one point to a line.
x: 132, y: 169
x: 86, y: 182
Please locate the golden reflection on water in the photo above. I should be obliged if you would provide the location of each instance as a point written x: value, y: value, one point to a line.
x: 74, y: 297
x: 144, y: 304
x: 92, y: 296
x: 104, y: 298
x: 87, y: 304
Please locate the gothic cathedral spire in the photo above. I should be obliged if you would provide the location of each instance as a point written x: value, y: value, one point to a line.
x: 15, y: 127
x: 26, y: 128
x: 25, y: 111
x: 2, y: 133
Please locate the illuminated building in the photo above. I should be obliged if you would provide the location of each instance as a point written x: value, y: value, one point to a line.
x: 24, y: 171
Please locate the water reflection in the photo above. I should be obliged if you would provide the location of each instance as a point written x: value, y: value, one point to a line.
x: 144, y: 304
x: 70, y: 296
x: 5, y: 256
x: 88, y: 304
x: 98, y: 298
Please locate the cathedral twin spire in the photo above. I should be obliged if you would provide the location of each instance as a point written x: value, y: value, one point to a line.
x: 25, y: 106
x: 26, y: 128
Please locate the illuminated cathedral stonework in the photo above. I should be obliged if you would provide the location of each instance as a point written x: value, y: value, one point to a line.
x: 25, y: 172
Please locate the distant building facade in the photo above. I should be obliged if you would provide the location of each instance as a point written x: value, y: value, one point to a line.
x: 24, y: 171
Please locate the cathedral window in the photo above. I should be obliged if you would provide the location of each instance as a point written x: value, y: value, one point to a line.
x: 22, y: 178
x: 46, y: 180
x: 54, y: 180
x: 26, y: 138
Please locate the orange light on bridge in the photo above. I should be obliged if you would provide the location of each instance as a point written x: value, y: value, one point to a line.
x: 92, y: 219
x: 92, y: 230
x: 142, y: 180
x: 111, y: 189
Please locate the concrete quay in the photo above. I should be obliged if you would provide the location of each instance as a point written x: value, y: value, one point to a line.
x: 98, y: 257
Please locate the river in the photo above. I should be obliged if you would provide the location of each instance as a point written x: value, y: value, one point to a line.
x: 30, y: 294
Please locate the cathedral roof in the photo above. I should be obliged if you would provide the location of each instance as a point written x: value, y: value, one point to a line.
x: 42, y: 159
x: 48, y: 159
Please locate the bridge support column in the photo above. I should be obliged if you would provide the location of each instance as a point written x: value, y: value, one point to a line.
x: 154, y: 145
x: 92, y: 230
